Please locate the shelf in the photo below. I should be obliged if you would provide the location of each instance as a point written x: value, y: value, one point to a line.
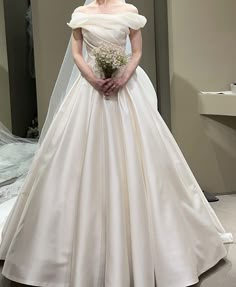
x: 216, y: 103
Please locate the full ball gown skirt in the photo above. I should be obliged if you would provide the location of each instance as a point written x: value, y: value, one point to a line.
x: 109, y: 200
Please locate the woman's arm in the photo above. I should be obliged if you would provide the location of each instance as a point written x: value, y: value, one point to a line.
x: 117, y: 83
x: 86, y: 71
x: 136, y: 44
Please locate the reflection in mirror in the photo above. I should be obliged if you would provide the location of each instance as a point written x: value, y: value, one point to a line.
x: 19, y: 69
x: 18, y: 101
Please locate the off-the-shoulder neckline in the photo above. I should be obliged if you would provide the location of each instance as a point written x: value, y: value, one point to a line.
x: 108, y: 14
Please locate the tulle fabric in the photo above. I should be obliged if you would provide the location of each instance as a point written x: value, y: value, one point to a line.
x: 109, y: 200
x: 16, y: 155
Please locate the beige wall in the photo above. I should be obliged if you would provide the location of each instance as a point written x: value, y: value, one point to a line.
x: 51, y: 36
x: 202, y: 57
x: 5, y: 109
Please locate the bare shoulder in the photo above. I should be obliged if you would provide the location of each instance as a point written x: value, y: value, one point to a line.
x: 89, y: 8
x: 84, y: 8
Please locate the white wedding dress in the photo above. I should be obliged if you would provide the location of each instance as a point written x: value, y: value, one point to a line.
x: 109, y: 200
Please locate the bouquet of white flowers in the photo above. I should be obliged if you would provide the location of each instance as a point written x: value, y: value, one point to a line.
x: 109, y: 58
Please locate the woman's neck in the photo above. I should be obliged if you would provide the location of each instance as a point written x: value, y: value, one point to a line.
x: 104, y: 2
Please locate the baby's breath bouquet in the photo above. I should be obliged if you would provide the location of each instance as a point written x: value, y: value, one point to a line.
x: 109, y: 58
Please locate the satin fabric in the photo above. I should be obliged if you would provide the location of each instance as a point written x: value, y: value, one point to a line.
x: 109, y: 200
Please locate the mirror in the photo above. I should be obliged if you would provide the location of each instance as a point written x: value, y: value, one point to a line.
x: 18, y: 100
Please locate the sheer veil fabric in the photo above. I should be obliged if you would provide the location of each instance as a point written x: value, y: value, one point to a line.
x: 27, y: 148
x: 16, y: 154
x: 109, y: 199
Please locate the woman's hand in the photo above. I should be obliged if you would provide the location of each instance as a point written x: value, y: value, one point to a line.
x: 99, y: 84
x: 85, y: 69
x: 113, y: 85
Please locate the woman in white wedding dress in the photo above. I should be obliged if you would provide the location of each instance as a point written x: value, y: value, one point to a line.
x: 109, y: 200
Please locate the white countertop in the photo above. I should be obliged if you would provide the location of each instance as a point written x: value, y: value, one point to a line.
x: 217, y: 103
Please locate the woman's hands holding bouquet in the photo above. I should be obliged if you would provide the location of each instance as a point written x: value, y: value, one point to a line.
x: 99, y: 84
x: 113, y: 85
x: 109, y: 60
x: 109, y: 86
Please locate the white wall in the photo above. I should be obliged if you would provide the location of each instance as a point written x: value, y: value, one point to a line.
x: 5, y: 112
x: 202, y: 57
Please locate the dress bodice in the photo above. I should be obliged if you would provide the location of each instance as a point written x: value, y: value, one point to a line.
x: 110, y: 28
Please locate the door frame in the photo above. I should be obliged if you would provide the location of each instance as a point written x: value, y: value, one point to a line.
x: 162, y: 59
